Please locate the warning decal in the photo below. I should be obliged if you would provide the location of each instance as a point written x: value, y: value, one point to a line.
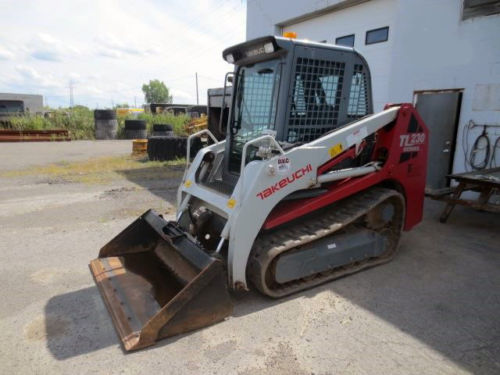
x: 284, y: 165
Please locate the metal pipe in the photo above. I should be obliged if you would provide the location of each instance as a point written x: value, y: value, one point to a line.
x: 472, y: 124
x: 219, y: 246
x: 346, y: 173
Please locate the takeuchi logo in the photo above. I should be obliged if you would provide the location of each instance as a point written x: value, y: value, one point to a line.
x: 298, y: 174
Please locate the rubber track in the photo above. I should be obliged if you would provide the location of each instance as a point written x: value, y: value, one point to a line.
x: 270, y: 245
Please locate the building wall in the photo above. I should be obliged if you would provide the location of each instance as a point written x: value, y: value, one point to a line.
x: 430, y: 47
x: 357, y: 20
x: 32, y: 103
x: 443, y: 52
x: 264, y: 15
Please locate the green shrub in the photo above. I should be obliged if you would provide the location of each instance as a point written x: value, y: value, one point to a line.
x: 79, y: 121
x: 29, y: 123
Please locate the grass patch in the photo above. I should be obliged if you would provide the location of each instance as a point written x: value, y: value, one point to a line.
x: 104, y: 169
x: 79, y: 121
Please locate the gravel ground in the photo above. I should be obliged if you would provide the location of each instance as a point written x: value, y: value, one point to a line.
x: 21, y: 155
x: 433, y: 310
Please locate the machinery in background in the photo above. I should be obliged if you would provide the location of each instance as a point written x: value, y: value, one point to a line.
x: 190, y: 110
x: 219, y: 104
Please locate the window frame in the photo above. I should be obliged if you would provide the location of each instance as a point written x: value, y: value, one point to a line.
x: 346, y: 36
x: 360, y: 95
x: 479, y: 8
x: 237, y: 112
x: 377, y: 29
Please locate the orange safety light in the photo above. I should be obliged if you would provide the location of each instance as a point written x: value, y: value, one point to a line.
x: 290, y: 34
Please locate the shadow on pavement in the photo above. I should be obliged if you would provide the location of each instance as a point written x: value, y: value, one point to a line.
x: 443, y: 289
x: 78, y: 323
x: 161, y: 181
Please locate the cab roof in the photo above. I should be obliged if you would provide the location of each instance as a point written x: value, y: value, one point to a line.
x: 255, y: 49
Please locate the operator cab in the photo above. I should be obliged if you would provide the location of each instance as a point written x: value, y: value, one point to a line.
x: 297, y: 90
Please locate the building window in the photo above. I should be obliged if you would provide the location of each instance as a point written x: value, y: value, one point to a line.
x: 377, y: 35
x: 11, y: 106
x: 347, y: 40
x: 476, y: 8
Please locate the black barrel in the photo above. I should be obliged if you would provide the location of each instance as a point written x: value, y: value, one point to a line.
x: 135, y: 129
x: 171, y: 148
x: 162, y: 130
x: 106, y: 124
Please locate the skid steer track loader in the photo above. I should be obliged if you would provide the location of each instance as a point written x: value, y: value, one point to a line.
x: 309, y: 185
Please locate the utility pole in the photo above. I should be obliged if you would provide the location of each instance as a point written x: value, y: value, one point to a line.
x: 135, y: 102
x: 197, y: 97
x: 71, y: 93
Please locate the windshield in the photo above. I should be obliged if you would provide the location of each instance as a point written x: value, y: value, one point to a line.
x: 254, y: 108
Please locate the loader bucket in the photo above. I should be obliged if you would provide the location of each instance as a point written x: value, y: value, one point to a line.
x: 157, y: 282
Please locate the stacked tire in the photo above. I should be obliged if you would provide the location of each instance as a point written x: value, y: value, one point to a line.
x: 135, y: 129
x: 165, y: 148
x: 106, y: 125
x: 162, y: 130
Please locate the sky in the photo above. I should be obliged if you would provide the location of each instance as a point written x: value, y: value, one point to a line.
x: 106, y: 49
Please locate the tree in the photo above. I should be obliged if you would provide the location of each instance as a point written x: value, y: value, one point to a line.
x: 156, y: 92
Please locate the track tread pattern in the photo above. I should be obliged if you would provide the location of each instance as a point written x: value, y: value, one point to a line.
x: 268, y: 246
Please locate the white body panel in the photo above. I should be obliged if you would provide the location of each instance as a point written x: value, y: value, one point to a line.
x: 246, y: 210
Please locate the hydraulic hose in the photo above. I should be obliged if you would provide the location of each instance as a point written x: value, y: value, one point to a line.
x: 477, y: 148
x: 494, y: 154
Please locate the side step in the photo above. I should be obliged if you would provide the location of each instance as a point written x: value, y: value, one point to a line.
x: 157, y: 282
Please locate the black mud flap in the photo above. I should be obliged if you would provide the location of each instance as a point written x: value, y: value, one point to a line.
x: 157, y: 282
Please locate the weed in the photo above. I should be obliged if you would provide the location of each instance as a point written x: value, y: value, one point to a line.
x: 104, y: 169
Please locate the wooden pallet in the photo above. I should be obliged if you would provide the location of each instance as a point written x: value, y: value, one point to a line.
x: 9, y: 135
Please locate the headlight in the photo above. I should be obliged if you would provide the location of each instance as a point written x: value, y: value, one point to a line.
x: 269, y: 47
x: 230, y: 58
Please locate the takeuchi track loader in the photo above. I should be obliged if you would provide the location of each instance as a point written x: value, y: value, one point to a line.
x: 309, y: 185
